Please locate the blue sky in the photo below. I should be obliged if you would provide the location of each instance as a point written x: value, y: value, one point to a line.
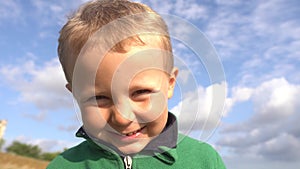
x: 258, y: 43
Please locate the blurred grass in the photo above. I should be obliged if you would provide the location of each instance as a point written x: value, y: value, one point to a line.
x: 11, y: 161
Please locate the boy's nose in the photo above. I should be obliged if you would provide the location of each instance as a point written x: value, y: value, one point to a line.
x: 123, y: 115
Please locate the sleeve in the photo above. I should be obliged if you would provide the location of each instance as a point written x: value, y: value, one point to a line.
x: 56, y: 163
x: 219, y: 164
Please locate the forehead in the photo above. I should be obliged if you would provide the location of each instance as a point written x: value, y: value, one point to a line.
x: 95, y: 57
x: 94, y: 50
x: 122, y: 68
x: 118, y: 67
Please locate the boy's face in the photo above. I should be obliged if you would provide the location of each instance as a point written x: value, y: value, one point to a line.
x: 123, y: 100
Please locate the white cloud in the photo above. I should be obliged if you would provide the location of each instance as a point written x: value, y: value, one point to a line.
x: 42, y: 86
x: 230, y: 3
x: 9, y: 10
x: 242, y: 162
x: 201, y: 109
x: 46, y: 145
x: 49, y: 10
x: 188, y: 9
x: 271, y: 132
x: 69, y: 128
x: 229, y: 30
x: 53, y: 12
x: 165, y: 6
x: 75, y: 121
x: 270, y: 17
x: 276, y: 98
x: 51, y: 145
x: 277, y: 148
x: 183, y: 76
x: 261, y: 38
x: 41, y: 116
x: 239, y: 94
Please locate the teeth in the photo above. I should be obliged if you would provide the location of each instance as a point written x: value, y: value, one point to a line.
x: 133, y: 133
x: 130, y: 134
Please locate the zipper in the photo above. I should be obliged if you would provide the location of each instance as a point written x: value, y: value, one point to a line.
x: 128, y: 162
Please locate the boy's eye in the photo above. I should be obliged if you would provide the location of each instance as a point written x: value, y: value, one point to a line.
x: 141, y: 94
x: 102, y: 101
x: 101, y: 97
x: 143, y: 91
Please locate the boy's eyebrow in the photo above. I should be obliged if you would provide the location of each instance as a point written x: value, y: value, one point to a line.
x: 99, y: 91
x: 141, y: 85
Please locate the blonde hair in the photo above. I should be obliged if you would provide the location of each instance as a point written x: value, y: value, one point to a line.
x: 93, y: 15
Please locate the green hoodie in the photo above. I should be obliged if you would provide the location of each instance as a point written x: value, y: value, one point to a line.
x: 187, y: 154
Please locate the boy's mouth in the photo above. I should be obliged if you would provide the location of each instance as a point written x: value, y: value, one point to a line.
x: 134, y: 132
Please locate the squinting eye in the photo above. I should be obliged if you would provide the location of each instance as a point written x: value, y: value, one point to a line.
x: 96, y: 98
x: 141, y: 92
x: 102, y: 101
x: 101, y: 97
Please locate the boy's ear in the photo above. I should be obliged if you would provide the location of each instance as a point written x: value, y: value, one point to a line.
x: 69, y: 87
x: 172, y: 82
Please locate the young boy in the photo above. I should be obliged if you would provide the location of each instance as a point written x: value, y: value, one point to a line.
x: 118, y: 62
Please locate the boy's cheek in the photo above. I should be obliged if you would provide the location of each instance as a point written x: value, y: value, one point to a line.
x: 152, y: 109
x: 145, y: 111
x: 93, y: 120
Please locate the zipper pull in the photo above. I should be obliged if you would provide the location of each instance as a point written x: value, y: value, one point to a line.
x: 128, y: 162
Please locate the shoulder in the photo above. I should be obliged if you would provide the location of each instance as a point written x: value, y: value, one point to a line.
x: 186, y: 142
x: 194, y: 150
x: 71, y: 156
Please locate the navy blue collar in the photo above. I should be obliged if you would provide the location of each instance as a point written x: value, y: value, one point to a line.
x: 167, y: 139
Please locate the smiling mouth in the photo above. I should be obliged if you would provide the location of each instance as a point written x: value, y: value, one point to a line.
x: 134, y: 132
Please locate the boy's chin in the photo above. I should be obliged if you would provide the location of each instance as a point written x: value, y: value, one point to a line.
x: 134, y: 148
